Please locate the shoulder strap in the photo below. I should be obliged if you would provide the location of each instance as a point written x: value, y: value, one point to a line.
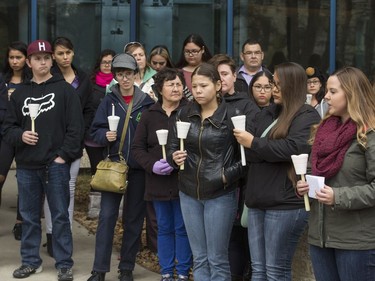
x: 126, y: 123
x: 269, y: 128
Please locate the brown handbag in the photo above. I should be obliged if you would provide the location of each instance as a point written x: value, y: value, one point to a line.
x: 112, y: 176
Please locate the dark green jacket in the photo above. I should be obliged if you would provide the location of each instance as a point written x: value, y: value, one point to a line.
x: 350, y: 223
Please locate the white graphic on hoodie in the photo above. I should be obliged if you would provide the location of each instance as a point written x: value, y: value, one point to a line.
x: 45, y: 103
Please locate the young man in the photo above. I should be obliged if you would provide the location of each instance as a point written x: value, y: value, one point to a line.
x: 252, y: 57
x: 43, y: 158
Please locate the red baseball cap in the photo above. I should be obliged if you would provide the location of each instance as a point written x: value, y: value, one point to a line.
x: 39, y: 46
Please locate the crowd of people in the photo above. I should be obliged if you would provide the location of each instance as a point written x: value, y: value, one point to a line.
x: 193, y: 197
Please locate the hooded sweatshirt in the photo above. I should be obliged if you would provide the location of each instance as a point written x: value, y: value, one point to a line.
x: 243, y: 105
x: 99, y: 127
x: 59, y: 123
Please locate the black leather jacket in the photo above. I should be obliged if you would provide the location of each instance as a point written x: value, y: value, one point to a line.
x: 211, y: 151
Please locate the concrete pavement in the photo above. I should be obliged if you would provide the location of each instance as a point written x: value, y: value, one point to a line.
x: 84, y: 245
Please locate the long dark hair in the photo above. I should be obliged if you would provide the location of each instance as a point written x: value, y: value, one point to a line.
x: 197, y: 40
x: 255, y: 78
x: 293, y: 83
x: 210, y: 71
x: 62, y: 41
x: 312, y: 72
x: 7, y: 70
x: 96, y: 69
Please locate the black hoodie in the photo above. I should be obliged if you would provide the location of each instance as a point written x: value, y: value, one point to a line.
x: 59, y: 123
x: 243, y: 105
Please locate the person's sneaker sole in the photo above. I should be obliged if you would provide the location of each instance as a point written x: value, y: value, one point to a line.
x: 25, y: 275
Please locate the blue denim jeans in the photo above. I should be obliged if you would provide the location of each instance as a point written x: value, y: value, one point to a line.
x: 32, y: 184
x: 209, y: 225
x: 133, y: 217
x: 74, y: 170
x: 342, y: 265
x: 173, y: 243
x: 273, y: 237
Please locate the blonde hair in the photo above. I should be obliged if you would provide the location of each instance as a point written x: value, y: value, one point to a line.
x: 162, y: 51
x: 360, y: 97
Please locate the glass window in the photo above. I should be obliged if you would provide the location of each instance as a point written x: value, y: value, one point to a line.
x: 78, y: 20
x: 293, y: 30
x: 169, y: 22
x: 13, y: 24
x: 115, y: 29
x: 355, y: 35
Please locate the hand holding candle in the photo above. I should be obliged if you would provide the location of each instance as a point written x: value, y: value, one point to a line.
x: 33, y: 110
x: 113, y: 122
x: 239, y: 122
x: 300, y: 165
x: 182, y: 131
x: 162, y: 138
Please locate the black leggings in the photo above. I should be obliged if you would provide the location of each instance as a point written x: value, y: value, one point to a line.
x: 95, y: 155
x: 239, y: 255
x: 6, y: 155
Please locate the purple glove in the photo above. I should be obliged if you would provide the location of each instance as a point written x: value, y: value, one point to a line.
x: 162, y: 167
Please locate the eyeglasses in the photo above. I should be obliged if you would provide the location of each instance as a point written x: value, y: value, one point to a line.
x: 192, y: 52
x: 249, y: 53
x: 277, y: 86
x: 122, y: 75
x: 259, y: 88
x: 313, y: 82
x: 106, y: 62
x: 172, y: 85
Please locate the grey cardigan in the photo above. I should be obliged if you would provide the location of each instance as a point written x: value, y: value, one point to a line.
x: 350, y: 223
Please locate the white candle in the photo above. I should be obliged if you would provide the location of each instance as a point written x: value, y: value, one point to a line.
x: 113, y: 109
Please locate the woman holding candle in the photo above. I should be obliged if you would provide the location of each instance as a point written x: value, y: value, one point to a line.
x: 239, y: 257
x: 341, y: 223
x: 208, y: 182
x: 276, y: 216
x: 124, y: 96
x: 161, y: 178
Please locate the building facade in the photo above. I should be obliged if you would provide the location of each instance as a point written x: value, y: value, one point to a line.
x: 323, y: 33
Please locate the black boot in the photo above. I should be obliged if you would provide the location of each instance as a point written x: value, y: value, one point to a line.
x: 2, y: 180
x: 17, y: 231
x: 49, y: 244
x: 97, y: 276
x: 236, y: 278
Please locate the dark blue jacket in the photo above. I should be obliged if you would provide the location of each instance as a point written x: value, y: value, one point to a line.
x: 99, y: 127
